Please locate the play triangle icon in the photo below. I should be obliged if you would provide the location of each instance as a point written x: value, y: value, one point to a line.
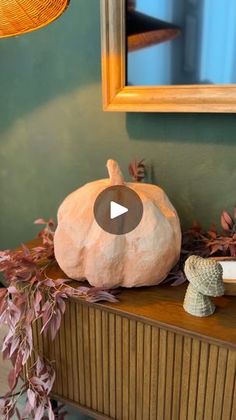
x: 117, y: 210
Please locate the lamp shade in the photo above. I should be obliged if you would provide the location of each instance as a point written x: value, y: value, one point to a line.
x: 20, y: 16
x: 144, y: 31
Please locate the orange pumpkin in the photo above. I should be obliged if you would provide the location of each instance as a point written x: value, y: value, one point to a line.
x: 142, y: 257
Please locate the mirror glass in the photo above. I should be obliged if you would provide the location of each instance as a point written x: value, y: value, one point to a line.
x: 179, y: 42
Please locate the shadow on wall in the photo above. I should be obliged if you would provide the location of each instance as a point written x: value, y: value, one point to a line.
x: 183, y: 128
x: 39, y: 66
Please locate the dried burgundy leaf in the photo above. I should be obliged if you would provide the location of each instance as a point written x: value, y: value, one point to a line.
x: 39, y: 412
x: 29, y: 316
x: 40, y: 222
x: 232, y: 249
x: 12, y: 379
x: 36, y: 381
x: 59, y: 282
x: 224, y: 224
x: 226, y: 221
x: 19, y: 363
x: 15, y: 344
x: 49, y: 282
x: 55, y: 324
x: 39, y: 365
x: 101, y: 296
x: 179, y: 280
x: 31, y: 398
x: 61, y: 305
x: 137, y: 170
x: 12, y: 290
x: 227, y: 217
x: 37, y: 301
x: 3, y: 293
x: 26, y: 250
x: 212, y: 234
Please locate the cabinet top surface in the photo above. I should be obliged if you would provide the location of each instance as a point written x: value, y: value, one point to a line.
x: 163, y: 306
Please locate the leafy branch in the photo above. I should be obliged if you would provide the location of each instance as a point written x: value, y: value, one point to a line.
x: 32, y: 295
x: 206, y: 244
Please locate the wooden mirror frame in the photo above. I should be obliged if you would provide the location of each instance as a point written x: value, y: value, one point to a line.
x: 177, y: 98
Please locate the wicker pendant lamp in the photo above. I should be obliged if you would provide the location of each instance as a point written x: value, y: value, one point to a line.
x: 20, y: 16
x: 144, y: 31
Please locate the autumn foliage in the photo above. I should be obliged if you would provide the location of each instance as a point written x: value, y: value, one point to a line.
x: 32, y: 295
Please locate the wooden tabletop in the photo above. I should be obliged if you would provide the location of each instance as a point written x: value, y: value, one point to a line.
x: 163, y: 306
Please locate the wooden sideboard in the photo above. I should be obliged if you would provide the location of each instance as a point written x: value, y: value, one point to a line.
x: 144, y: 358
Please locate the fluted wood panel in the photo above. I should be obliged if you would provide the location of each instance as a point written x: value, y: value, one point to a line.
x: 125, y: 369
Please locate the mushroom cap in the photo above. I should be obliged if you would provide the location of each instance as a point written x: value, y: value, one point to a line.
x: 205, y: 275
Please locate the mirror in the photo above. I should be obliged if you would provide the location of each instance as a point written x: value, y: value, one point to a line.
x: 181, y: 42
x: 178, y: 42
x: 169, y: 55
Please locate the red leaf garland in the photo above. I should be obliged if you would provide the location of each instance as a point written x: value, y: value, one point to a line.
x: 32, y: 295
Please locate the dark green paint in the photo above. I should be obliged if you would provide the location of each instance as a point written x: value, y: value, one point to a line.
x: 54, y: 136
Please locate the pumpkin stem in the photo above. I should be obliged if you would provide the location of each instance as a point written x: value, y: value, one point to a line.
x: 115, y: 173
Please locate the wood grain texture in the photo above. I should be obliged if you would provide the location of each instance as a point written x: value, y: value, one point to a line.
x: 68, y: 350
x: 74, y: 351
x: 105, y: 363
x: 119, y: 97
x: 154, y: 372
x: 125, y: 367
x: 118, y: 361
x: 220, y: 384
x: 81, y: 355
x: 99, y: 360
x: 162, y: 356
x: 146, y: 371
x: 202, y: 380
x: 193, y: 381
x: 169, y: 376
x: 87, y: 356
x: 185, y: 383
x: 211, y: 381
x: 131, y: 370
x: 178, y: 361
x: 139, y: 367
x: 112, y: 364
x: 93, y: 365
x: 230, y: 383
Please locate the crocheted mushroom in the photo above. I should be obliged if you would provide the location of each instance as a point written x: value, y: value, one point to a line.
x: 206, y: 279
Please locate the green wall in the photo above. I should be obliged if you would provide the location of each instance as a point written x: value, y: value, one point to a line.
x: 54, y: 136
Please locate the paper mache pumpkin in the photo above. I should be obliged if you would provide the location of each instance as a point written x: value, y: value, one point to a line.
x: 142, y: 257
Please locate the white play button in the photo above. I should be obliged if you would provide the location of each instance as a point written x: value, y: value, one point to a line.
x: 117, y: 210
